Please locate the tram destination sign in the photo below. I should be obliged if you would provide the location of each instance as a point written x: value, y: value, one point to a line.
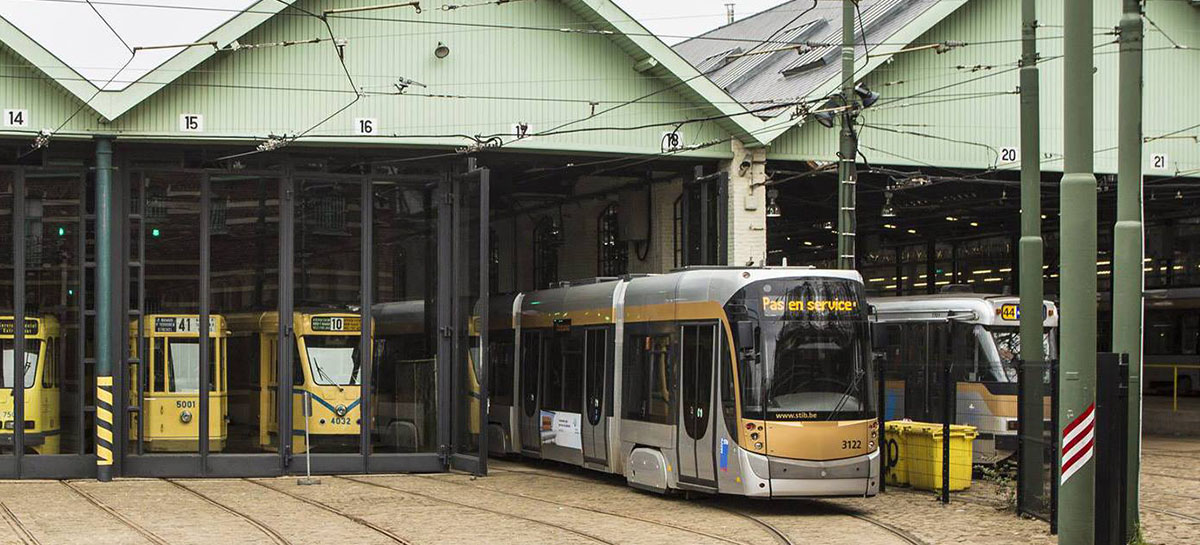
x: 7, y: 327
x: 1012, y: 313
x: 336, y: 323
x: 780, y: 306
x: 182, y: 324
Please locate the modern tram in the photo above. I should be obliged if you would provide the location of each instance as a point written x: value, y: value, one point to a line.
x: 326, y: 368
x: 978, y: 336
x: 1172, y: 340
x: 39, y: 371
x: 754, y: 382
x: 169, y: 402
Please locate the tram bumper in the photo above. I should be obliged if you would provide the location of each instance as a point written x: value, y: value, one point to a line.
x: 784, y: 478
x: 31, y: 439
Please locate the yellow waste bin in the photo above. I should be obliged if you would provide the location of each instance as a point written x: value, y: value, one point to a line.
x: 893, y: 451
x: 922, y: 454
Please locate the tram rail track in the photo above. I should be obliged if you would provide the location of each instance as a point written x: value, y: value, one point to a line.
x: 141, y: 530
x: 598, y: 511
x: 1194, y: 519
x: 1169, y: 476
x: 23, y: 533
x: 584, y: 535
x: 354, y: 518
x: 782, y: 538
x: 271, y: 534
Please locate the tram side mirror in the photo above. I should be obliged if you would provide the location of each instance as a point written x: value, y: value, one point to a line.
x: 746, y: 340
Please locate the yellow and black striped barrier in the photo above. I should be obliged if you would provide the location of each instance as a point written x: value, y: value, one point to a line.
x: 104, y: 426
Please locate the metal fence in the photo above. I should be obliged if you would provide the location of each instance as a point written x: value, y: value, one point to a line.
x: 964, y: 422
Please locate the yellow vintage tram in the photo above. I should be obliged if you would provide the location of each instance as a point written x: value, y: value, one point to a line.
x: 326, y: 365
x: 172, y: 389
x: 40, y: 379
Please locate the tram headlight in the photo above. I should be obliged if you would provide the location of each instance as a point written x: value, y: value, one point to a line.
x: 754, y: 436
x: 758, y: 445
x: 340, y: 410
x: 8, y: 425
x: 185, y: 417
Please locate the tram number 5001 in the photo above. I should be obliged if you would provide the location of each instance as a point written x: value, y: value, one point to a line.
x: 185, y: 404
x: 852, y: 445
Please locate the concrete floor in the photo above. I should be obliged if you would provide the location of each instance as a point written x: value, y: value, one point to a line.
x: 524, y: 503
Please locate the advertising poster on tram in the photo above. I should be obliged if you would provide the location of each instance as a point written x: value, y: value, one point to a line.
x: 562, y: 429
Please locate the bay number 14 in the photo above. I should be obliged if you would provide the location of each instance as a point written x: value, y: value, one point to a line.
x: 16, y: 118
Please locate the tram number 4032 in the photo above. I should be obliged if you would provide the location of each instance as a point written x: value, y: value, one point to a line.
x: 851, y: 445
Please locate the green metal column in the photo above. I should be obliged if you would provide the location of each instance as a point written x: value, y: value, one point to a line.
x: 1031, y: 246
x: 104, y: 366
x: 1128, y: 276
x: 847, y: 173
x: 1077, y: 374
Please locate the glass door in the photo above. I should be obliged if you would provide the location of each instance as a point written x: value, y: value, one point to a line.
x: 10, y: 410
x: 57, y: 439
x: 243, y: 301
x: 469, y: 320
x: 698, y: 351
x: 330, y: 339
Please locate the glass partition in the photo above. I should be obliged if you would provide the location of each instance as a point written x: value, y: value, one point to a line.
x: 53, y: 343
x: 404, y: 379
x: 327, y: 361
x: 244, y: 294
x: 164, y: 327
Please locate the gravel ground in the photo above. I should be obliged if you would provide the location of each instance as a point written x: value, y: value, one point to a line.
x: 523, y: 503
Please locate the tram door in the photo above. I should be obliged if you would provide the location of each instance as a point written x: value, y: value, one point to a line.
x: 698, y: 352
x: 595, y: 425
x: 531, y: 414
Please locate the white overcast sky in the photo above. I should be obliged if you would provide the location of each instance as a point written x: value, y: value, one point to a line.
x: 75, y: 33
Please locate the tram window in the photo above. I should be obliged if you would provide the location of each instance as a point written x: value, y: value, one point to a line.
x: 595, y: 363
x: 728, y: 396
x: 572, y: 376
x: 30, y: 366
x: 750, y: 377
x: 552, y: 379
x: 333, y: 359
x: 1190, y: 333
x: 50, y: 365
x: 530, y: 359
x: 158, y: 369
x: 183, y: 362
x: 500, y: 374
x: 648, y: 385
x: 297, y: 367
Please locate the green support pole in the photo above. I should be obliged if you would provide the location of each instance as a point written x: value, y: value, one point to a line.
x: 1128, y: 276
x: 104, y: 367
x: 847, y: 172
x: 1031, y: 246
x: 1077, y: 283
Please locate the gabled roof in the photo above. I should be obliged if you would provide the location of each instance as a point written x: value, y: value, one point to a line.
x: 57, y: 55
x: 71, y: 42
x: 813, y: 69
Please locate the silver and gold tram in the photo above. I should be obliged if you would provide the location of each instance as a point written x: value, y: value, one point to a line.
x: 754, y: 382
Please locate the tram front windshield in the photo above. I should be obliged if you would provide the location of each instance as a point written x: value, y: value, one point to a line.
x: 32, y: 348
x: 333, y: 359
x: 1002, y: 346
x: 811, y: 359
